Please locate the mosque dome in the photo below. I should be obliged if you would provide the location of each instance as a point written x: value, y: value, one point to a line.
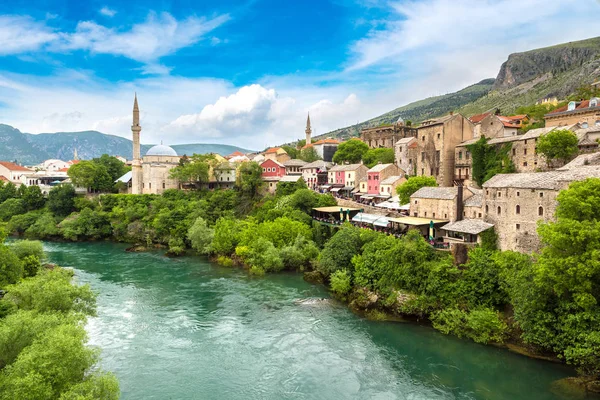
x: 161, y: 150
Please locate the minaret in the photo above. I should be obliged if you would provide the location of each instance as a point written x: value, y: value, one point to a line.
x: 75, y: 156
x: 136, y: 164
x: 308, y: 130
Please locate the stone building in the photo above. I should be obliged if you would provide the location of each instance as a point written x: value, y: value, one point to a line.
x: 224, y: 175
x: 496, y: 126
x: 150, y: 174
x: 465, y: 231
x: 294, y: 166
x: 388, y: 135
x: 436, y: 143
x: 387, y: 187
x: 515, y: 203
x: 405, y: 153
x: 276, y: 154
x: 438, y: 202
x: 586, y: 113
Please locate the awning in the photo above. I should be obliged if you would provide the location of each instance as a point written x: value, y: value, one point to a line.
x: 356, y: 190
x: 383, y: 196
x: 348, y: 188
x: 365, y: 218
x: 325, y: 186
x: 416, y: 221
x: 335, y: 189
x: 367, y: 196
x: 382, y: 222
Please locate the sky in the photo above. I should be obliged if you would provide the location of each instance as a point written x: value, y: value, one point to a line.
x: 247, y: 72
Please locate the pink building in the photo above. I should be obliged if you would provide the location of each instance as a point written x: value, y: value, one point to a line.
x: 377, y: 174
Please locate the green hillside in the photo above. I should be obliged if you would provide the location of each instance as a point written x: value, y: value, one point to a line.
x: 525, y: 78
x: 30, y: 149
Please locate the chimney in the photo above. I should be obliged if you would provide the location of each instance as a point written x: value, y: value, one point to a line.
x: 460, y: 206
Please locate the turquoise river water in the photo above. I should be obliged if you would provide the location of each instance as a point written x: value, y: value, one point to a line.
x: 188, y: 329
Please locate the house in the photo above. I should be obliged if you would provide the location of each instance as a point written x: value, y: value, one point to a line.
x: 465, y: 231
x: 53, y: 165
x: 14, y: 173
x: 224, y: 175
x: 387, y: 135
x: 439, y: 202
x: 346, y: 178
x: 387, y: 187
x: 277, y: 154
x: 122, y: 159
x: 515, y: 203
x: 378, y: 174
x: 586, y: 113
x: 293, y: 166
x: 436, y: 143
x: 273, y: 171
x: 326, y: 148
x: 315, y: 173
x: 405, y: 152
x: 496, y: 126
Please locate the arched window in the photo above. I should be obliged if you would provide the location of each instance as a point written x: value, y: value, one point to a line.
x: 541, y: 211
x: 487, y: 209
x: 499, y: 210
x: 584, y: 125
x: 571, y: 106
x: 518, y: 209
x: 594, y: 102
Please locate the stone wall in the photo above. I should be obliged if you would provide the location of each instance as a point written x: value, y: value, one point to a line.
x: 368, y: 209
x: 433, y: 208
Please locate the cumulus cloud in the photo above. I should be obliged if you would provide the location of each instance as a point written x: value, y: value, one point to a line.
x: 19, y: 34
x: 107, y: 12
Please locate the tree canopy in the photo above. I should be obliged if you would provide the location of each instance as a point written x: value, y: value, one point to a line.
x: 413, y: 184
x: 559, y: 144
x: 374, y: 156
x: 351, y: 151
x: 489, y: 160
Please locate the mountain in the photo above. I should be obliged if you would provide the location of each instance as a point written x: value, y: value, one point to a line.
x: 30, y: 149
x: 419, y: 110
x: 556, y: 71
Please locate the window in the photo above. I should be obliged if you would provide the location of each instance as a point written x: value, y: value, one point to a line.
x: 499, y: 194
x: 422, y: 171
x: 518, y: 194
x: 425, y: 213
x: 467, y: 154
x: 437, y: 156
x: 571, y: 106
x: 525, y: 151
x: 487, y: 209
x: 445, y: 215
x: 416, y: 201
x: 422, y: 156
x: 163, y: 185
x: 584, y: 125
x: 414, y: 214
x: 433, y: 215
x: 525, y: 141
x: 439, y: 135
x: 487, y: 192
x: 541, y: 211
x: 524, y: 163
x: 460, y: 155
x: 518, y: 209
x: 514, y: 152
x: 422, y: 138
x: 541, y: 194
x: 518, y: 226
x: 499, y: 211
x: 479, y: 215
x: 149, y: 185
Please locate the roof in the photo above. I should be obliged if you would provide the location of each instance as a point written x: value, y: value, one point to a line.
x: 543, y: 180
x: 474, y: 201
x: 63, y: 170
x: 236, y: 154
x: 334, y: 209
x: 125, y: 178
x: 274, y: 150
x: 405, y: 140
x: 440, y: 193
x: 582, y: 160
x: 14, y: 167
x: 327, y: 141
x: 581, y: 106
x: 437, y: 121
x: 472, y: 226
x: 347, y: 167
x: 380, y: 167
x: 317, y: 164
x: 390, y: 180
x: 290, y: 178
x: 416, y: 221
x: 532, y: 134
x: 3, y: 178
x: 479, y: 117
x: 294, y: 162
x: 515, y: 121
x: 273, y: 161
x: 161, y: 150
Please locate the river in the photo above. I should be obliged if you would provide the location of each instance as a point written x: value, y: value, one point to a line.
x: 188, y: 329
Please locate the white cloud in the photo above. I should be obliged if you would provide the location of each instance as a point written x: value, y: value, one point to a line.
x: 107, y: 12
x: 160, y: 35
x: 19, y: 34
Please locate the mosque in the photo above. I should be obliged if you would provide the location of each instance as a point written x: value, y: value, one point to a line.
x: 150, y: 173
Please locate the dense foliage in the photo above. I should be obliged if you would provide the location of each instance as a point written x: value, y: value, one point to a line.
x: 413, y: 184
x: 98, y: 174
x: 42, y: 336
x: 351, y: 151
x: 489, y: 160
x: 374, y: 156
x: 558, y: 145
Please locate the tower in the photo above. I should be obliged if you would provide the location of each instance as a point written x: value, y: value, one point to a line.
x: 136, y: 164
x: 308, y: 130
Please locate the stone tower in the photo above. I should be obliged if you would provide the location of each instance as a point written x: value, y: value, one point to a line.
x: 308, y: 130
x: 136, y: 164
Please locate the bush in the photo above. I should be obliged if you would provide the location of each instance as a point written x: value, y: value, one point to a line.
x: 340, y: 282
x: 226, y: 236
x: 262, y: 255
x: 88, y: 224
x: 61, y: 200
x: 10, y: 208
x: 31, y: 266
x: 18, y: 224
x: 25, y: 248
x: 11, y: 268
x: 225, y: 261
x: 44, y: 228
x: 339, y: 250
x: 200, y: 236
x: 481, y: 325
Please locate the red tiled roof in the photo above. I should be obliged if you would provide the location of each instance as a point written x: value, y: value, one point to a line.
x: 236, y: 154
x: 306, y: 146
x: 13, y: 167
x: 511, y: 122
x: 73, y: 162
x: 3, y: 178
x: 583, y: 104
x: 478, y: 118
x: 272, y: 150
x: 63, y: 170
x: 327, y: 141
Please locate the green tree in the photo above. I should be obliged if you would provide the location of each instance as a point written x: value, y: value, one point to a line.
x: 351, y: 151
x: 7, y: 191
x: 374, y: 156
x: 249, y: 183
x: 413, y: 184
x: 287, y: 188
x: 33, y: 198
x: 489, y: 160
x: 227, y: 235
x: 339, y: 250
x: 10, y: 208
x: 560, y: 144
x: 25, y: 248
x: 292, y: 151
x: 61, y: 200
x: 196, y: 171
x: 309, y: 155
x: 91, y: 175
x: 113, y: 165
x: 11, y: 268
x: 200, y: 236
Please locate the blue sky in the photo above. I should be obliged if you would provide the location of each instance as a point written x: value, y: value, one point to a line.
x: 247, y: 72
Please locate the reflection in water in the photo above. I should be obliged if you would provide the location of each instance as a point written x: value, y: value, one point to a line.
x: 186, y: 329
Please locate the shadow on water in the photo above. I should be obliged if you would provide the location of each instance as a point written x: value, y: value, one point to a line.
x: 183, y: 328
